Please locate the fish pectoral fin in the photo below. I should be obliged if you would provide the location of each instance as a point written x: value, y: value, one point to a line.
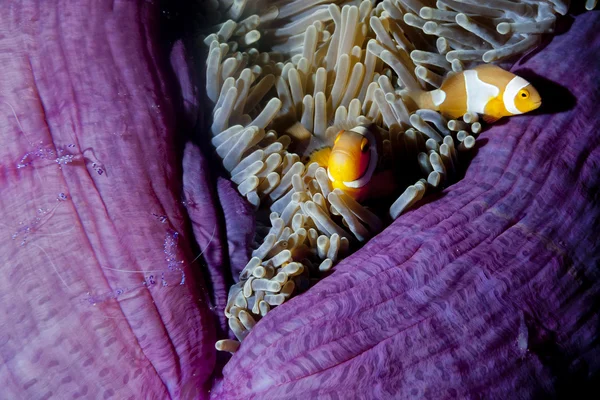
x: 490, y: 119
x: 320, y: 156
x: 493, y: 110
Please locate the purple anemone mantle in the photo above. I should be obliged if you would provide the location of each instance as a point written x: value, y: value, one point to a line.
x: 489, y: 290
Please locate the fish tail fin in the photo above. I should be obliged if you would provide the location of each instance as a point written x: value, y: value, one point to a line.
x: 417, y: 99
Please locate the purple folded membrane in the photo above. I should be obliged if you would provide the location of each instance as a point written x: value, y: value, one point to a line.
x: 99, y: 297
x: 460, y: 297
x: 489, y: 291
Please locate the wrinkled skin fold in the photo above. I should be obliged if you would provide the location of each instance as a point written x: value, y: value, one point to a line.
x: 489, y: 290
x: 91, y: 74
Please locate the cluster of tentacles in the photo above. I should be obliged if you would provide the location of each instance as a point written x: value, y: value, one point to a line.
x: 283, y: 77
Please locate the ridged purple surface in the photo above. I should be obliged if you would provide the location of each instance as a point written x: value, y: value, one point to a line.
x: 89, y: 73
x: 489, y: 291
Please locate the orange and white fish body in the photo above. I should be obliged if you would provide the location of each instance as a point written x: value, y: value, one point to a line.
x: 352, y: 164
x: 487, y: 89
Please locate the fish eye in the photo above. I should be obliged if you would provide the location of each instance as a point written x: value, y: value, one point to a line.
x: 524, y: 94
x: 364, y: 145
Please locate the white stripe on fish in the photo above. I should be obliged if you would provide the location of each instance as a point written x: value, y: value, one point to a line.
x: 479, y: 93
x: 438, y: 96
x: 363, y: 180
x: 510, y: 94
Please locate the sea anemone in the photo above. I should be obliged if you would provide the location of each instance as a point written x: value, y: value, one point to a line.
x: 282, y: 78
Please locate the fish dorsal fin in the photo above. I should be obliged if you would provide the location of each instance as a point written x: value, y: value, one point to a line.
x: 493, y: 74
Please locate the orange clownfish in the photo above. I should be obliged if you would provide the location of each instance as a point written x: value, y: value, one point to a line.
x: 352, y: 164
x: 486, y: 89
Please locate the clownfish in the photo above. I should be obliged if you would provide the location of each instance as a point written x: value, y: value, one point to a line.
x: 352, y: 163
x: 487, y: 89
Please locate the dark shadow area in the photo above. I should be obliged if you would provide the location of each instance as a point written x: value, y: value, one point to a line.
x: 563, y: 24
x: 178, y: 22
x: 185, y: 21
x: 578, y: 7
x: 459, y: 174
x: 572, y: 377
x: 466, y: 159
x: 409, y: 173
